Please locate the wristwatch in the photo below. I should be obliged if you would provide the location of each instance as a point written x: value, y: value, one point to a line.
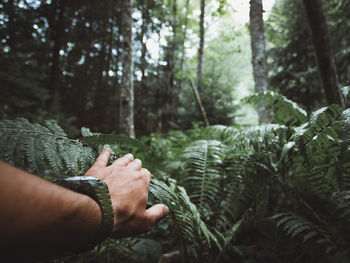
x: 98, y: 191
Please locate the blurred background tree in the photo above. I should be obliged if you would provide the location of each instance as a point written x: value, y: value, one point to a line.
x: 291, y: 57
x: 67, y: 60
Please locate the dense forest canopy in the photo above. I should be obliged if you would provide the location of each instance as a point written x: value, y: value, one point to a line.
x: 65, y: 61
x: 243, y: 122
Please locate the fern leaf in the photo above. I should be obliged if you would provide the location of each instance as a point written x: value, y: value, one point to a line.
x: 43, y: 149
x: 202, y: 163
x: 284, y: 110
x: 297, y: 226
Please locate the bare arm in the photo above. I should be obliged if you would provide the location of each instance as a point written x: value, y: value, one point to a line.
x: 39, y: 218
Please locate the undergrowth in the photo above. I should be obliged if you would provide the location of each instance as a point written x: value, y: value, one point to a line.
x: 270, y: 193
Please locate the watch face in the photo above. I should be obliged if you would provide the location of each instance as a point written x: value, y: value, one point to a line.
x: 82, y: 178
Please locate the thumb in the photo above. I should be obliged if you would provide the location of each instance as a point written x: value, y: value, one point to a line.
x: 157, y: 212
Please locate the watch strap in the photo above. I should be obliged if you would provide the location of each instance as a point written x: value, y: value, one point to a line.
x: 98, y: 191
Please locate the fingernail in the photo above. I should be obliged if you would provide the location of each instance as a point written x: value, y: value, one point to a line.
x: 130, y: 156
x: 166, y: 210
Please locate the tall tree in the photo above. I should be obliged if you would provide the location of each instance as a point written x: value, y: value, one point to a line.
x: 126, y: 120
x: 58, y: 31
x: 320, y: 38
x: 173, y: 48
x: 145, y: 21
x: 184, y: 40
x: 258, y: 50
x: 201, y: 46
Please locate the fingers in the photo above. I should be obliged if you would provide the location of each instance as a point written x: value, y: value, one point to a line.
x: 156, y: 212
x: 146, y: 173
x: 124, y: 161
x: 136, y: 164
x: 102, y: 159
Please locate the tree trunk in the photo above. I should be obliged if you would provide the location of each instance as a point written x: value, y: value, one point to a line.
x: 115, y: 61
x: 101, y: 95
x: 201, y: 46
x: 320, y: 38
x: 55, y: 61
x: 145, y: 16
x: 184, y: 40
x: 159, y: 106
x: 173, y: 47
x: 126, y: 123
x: 10, y: 8
x: 258, y: 51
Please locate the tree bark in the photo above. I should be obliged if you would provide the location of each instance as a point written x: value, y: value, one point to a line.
x: 258, y: 51
x: 201, y: 46
x: 126, y: 121
x: 325, y: 60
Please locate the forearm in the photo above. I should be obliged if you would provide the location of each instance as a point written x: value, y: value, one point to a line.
x: 43, y: 218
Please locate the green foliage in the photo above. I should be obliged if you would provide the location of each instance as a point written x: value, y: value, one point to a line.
x: 296, y: 226
x: 146, y: 251
x: 202, y: 162
x: 284, y: 110
x: 184, y: 214
x: 43, y: 149
x: 281, y: 187
x: 47, y: 151
x: 291, y: 58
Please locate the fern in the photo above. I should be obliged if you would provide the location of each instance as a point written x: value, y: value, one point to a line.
x: 202, y: 161
x: 284, y: 110
x: 295, y: 226
x: 43, y: 149
x: 318, y: 143
x: 47, y: 151
x: 186, y: 218
x: 220, y: 182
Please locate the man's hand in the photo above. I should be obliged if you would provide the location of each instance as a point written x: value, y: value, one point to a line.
x: 128, y: 185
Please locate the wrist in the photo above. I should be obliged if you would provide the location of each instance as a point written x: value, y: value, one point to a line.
x: 98, y: 199
x: 92, y: 212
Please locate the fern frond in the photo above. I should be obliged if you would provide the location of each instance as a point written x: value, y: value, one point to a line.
x: 344, y: 162
x: 298, y: 227
x: 43, y: 149
x: 267, y: 137
x: 202, y: 167
x: 185, y: 215
x: 316, y: 144
x: 284, y: 110
x: 341, y: 208
x: 219, y: 132
x: 113, y: 139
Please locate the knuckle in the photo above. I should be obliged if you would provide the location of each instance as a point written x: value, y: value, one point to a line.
x: 141, y: 177
x: 146, y: 172
x: 123, y: 162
